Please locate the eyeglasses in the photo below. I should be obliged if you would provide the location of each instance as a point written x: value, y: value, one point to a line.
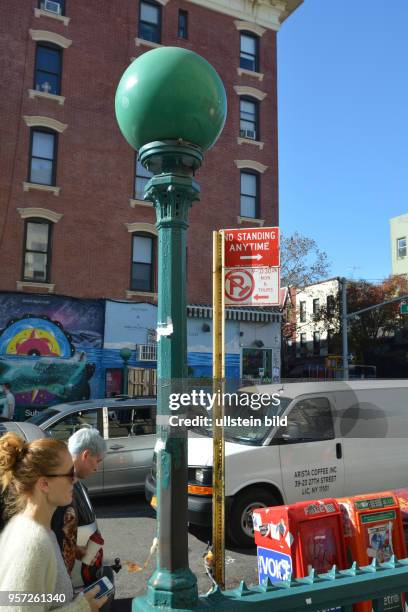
x: 70, y: 474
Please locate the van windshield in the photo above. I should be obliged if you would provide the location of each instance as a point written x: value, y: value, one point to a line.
x: 245, y: 424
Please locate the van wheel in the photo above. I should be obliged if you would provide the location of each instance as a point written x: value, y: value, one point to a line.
x: 241, y: 528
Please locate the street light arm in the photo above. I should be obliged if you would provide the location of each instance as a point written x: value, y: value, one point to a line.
x: 358, y: 312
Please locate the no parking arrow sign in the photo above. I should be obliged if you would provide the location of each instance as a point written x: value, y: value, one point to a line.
x: 252, y: 286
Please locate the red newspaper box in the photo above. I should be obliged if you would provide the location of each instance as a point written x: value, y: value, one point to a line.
x: 373, y: 530
x: 294, y: 539
x: 402, y: 495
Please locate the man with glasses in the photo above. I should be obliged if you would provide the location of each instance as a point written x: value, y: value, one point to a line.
x: 87, y: 448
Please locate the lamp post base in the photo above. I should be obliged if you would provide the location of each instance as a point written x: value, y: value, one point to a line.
x: 169, y: 591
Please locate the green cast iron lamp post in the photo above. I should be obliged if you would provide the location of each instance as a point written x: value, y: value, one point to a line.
x: 171, y: 107
x: 125, y: 354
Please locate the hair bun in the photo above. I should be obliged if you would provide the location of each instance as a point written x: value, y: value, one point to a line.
x: 12, y: 450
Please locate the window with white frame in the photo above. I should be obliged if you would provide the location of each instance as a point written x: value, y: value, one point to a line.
x: 248, y: 118
x: 316, y: 343
x: 42, y: 168
x: 150, y: 21
x: 401, y: 247
x: 182, y: 30
x: 48, y: 62
x: 37, y: 250
x: 249, y: 194
x: 249, y: 51
x: 330, y: 305
x: 53, y: 6
x: 143, y: 262
x: 302, y: 312
x: 316, y: 306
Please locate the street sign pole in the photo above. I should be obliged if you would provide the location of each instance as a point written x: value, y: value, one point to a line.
x: 218, y: 501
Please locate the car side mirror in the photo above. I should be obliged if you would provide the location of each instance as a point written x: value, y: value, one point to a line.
x: 291, y: 432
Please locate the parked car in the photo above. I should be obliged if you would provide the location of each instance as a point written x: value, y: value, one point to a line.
x: 128, y: 426
x: 340, y: 438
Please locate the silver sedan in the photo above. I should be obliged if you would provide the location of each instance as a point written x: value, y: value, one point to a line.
x: 128, y: 426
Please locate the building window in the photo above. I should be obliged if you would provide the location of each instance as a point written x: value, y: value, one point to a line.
x: 303, y: 344
x: 143, y: 262
x: 37, y: 251
x: 142, y: 177
x: 43, y: 157
x: 47, y: 76
x: 302, y: 314
x: 182, y: 24
x: 248, y: 119
x: 249, y: 194
x: 316, y: 306
x: 401, y: 247
x: 331, y: 305
x: 248, y: 57
x: 330, y: 334
x: 150, y: 21
x: 53, y: 6
x: 316, y: 343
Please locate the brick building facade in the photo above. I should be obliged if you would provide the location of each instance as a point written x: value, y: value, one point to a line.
x: 71, y: 218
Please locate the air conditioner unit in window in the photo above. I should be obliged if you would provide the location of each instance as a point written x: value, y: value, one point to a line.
x: 248, y: 134
x: 52, y: 7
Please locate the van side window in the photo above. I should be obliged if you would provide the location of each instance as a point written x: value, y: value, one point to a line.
x: 310, y: 420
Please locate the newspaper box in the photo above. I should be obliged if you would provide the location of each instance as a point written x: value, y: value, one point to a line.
x: 373, y: 529
x: 292, y: 540
x: 402, y: 496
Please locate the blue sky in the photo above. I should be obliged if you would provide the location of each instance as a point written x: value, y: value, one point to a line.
x: 343, y: 128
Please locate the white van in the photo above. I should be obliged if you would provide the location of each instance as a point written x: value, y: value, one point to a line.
x: 341, y: 438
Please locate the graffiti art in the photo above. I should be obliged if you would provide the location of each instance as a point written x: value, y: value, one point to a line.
x: 38, y: 358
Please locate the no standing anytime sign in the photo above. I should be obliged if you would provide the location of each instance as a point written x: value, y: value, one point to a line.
x: 251, y: 266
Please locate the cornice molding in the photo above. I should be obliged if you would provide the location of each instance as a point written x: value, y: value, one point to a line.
x: 250, y: 164
x: 249, y: 27
x: 267, y: 14
x: 48, y: 122
x: 52, y: 37
x: 41, y: 213
x: 141, y: 227
x: 134, y: 202
x: 253, y: 92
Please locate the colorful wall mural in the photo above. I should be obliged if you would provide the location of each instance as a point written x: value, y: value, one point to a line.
x: 50, y: 349
x: 56, y: 349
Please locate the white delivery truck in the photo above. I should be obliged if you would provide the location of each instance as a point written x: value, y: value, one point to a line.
x: 339, y: 438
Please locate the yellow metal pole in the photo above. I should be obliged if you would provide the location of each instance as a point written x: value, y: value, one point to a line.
x: 218, y: 505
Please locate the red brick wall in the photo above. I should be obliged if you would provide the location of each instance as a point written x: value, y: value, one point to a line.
x: 91, y: 246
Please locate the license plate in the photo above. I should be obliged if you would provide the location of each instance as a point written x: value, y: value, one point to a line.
x: 153, y: 502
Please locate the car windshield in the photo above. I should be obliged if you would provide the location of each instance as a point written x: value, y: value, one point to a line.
x: 253, y: 431
x: 41, y: 417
